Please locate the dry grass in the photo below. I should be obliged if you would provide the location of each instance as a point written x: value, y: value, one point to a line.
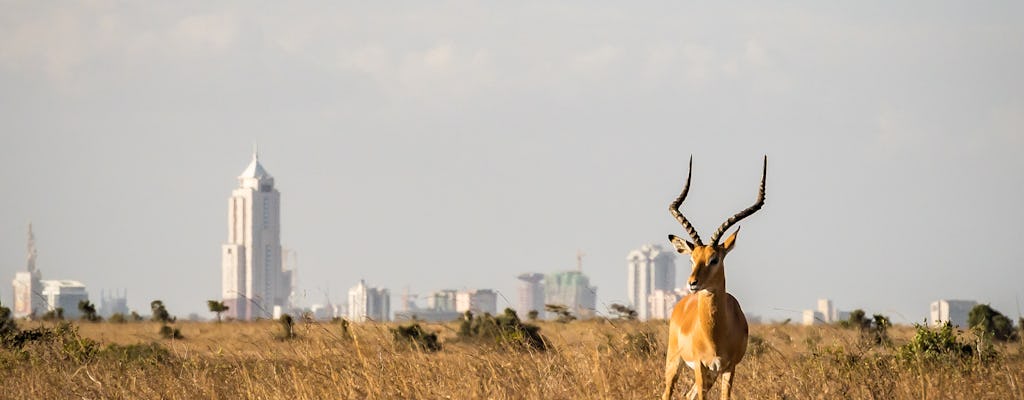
x: 590, y: 360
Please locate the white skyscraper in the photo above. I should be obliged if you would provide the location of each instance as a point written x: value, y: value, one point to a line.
x: 253, y: 279
x: 650, y: 268
x: 27, y: 285
x: 368, y: 303
x: 661, y: 303
x: 531, y: 294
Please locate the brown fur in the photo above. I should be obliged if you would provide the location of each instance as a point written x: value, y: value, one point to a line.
x: 708, y: 329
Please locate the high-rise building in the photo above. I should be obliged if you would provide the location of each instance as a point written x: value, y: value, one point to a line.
x: 953, y: 311
x: 254, y: 281
x: 368, y: 303
x: 531, y: 293
x: 28, y: 286
x: 571, y: 289
x: 478, y: 301
x: 650, y: 268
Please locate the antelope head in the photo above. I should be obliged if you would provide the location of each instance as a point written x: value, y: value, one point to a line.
x: 708, y: 260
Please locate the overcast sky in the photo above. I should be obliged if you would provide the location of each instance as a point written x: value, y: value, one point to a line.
x: 458, y: 144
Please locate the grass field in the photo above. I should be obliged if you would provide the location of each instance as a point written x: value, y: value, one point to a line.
x: 587, y: 360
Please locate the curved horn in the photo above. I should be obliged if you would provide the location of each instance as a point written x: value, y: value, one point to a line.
x: 745, y: 213
x: 674, y: 208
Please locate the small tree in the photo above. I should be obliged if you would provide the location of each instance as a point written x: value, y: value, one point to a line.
x: 564, y: 316
x: 88, y: 311
x: 991, y: 322
x: 160, y: 313
x: 532, y: 315
x: 217, y: 307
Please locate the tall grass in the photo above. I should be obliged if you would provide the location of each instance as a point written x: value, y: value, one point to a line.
x: 586, y: 360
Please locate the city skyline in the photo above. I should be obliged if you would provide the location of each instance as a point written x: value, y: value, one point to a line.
x: 489, y: 140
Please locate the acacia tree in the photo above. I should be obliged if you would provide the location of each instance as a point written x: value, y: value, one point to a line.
x: 623, y: 312
x: 217, y: 307
x: 160, y: 313
x: 88, y: 311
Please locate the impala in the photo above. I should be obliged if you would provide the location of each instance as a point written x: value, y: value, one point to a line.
x: 707, y: 330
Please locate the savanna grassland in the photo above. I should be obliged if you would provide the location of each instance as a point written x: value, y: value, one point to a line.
x: 585, y: 360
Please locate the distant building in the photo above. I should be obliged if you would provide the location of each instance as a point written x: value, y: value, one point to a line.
x: 65, y: 294
x: 113, y: 303
x: 253, y: 279
x: 953, y: 311
x: 442, y: 300
x: 478, y: 301
x: 813, y: 317
x: 531, y: 294
x: 28, y: 286
x: 441, y: 307
x: 571, y: 289
x: 368, y: 303
x: 661, y: 302
x: 649, y: 268
x: 826, y: 313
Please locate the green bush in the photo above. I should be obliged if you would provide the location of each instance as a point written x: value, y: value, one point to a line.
x: 935, y: 344
x: 991, y: 323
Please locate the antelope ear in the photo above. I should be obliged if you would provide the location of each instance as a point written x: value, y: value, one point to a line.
x: 682, y: 246
x: 730, y: 242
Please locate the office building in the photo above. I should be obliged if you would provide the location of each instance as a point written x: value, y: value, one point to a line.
x: 953, y: 311
x: 368, y: 303
x: 649, y: 268
x: 531, y: 294
x: 479, y: 301
x: 28, y: 286
x: 254, y: 281
x: 571, y: 289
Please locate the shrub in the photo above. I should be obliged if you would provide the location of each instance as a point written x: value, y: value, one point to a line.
x: 61, y: 342
x: 167, y: 332
x: 56, y: 314
x: 642, y: 343
x: 415, y: 335
x: 7, y: 324
x: 287, y: 324
x: 505, y: 329
x: 934, y: 344
x: 117, y: 318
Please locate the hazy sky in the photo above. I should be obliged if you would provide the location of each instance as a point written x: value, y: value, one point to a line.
x: 458, y: 144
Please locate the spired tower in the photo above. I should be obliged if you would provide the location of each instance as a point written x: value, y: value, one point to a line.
x: 253, y: 279
x: 28, y: 288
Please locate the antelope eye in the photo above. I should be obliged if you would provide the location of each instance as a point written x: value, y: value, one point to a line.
x: 713, y: 261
